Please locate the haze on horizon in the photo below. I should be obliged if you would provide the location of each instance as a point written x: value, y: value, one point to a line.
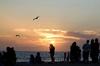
x: 61, y: 22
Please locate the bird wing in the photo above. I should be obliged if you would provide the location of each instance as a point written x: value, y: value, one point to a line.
x: 36, y: 18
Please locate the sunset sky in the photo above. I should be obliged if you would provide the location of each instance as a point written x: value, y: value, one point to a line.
x: 61, y: 22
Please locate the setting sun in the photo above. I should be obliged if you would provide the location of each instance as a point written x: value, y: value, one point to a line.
x: 47, y: 31
x: 49, y: 38
x: 57, y: 22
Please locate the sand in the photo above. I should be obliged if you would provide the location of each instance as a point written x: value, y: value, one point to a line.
x: 54, y: 64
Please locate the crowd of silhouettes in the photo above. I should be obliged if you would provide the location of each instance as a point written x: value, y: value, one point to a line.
x: 8, y: 57
x: 90, y: 49
x: 38, y: 59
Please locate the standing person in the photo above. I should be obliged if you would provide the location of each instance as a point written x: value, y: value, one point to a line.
x: 78, y: 54
x: 38, y: 58
x: 1, y: 59
x: 64, y: 56
x: 75, y: 53
x: 32, y: 59
x: 10, y: 57
x: 92, y: 55
x: 86, y: 51
x: 68, y: 56
x: 96, y: 50
x: 52, y: 52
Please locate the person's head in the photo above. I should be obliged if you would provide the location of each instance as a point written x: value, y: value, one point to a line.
x: 38, y: 53
x: 87, y: 41
x: 31, y: 56
x: 8, y: 48
x: 92, y: 41
x: 51, y: 44
x: 74, y: 44
x: 96, y: 39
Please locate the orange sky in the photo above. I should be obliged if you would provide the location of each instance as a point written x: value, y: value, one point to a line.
x: 40, y: 39
x: 61, y: 22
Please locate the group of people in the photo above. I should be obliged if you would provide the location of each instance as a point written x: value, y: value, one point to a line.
x: 36, y: 59
x: 8, y: 57
x: 90, y: 49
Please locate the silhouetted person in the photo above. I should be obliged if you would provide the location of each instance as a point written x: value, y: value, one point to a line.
x: 75, y: 53
x: 9, y: 57
x: 92, y: 55
x: 52, y: 52
x: 32, y: 60
x: 38, y: 58
x: 1, y: 59
x: 65, y: 57
x: 78, y: 54
x: 4, y: 58
x: 68, y: 57
x: 96, y: 50
x: 86, y: 50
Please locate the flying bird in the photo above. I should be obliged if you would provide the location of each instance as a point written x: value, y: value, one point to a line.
x: 17, y: 35
x: 36, y: 18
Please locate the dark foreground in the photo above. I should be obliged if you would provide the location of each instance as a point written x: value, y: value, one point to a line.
x: 55, y: 64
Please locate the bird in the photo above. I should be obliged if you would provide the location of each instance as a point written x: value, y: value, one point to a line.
x: 17, y: 35
x: 36, y: 18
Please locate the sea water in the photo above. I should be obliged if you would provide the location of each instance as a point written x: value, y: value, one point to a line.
x: 23, y: 56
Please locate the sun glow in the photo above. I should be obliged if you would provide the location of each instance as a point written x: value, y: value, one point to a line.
x: 49, y: 38
x: 53, y: 36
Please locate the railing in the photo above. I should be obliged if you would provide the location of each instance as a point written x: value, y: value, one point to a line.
x: 45, y: 59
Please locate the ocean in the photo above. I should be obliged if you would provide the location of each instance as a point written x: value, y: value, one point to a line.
x: 23, y: 56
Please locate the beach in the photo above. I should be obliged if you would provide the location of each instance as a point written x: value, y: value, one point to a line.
x: 54, y: 64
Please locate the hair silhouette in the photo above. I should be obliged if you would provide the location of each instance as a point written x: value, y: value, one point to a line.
x: 52, y: 52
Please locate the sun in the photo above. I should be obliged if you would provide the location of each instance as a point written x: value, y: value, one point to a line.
x: 49, y: 38
x: 52, y: 42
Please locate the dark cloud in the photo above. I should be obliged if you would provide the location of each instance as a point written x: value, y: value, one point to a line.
x: 82, y: 35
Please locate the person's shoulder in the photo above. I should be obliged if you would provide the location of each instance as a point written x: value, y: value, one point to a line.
x: 84, y: 44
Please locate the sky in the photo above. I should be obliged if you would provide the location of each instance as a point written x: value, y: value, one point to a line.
x: 61, y: 22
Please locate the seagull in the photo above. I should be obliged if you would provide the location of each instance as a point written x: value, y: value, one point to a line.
x: 17, y: 35
x: 36, y: 18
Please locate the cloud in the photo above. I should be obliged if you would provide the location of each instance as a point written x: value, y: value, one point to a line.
x: 43, y: 37
x: 84, y: 34
x: 5, y: 36
x: 62, y: 34
x: 21, y: 30
x: 89, y: 32
x: 54, y: 33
